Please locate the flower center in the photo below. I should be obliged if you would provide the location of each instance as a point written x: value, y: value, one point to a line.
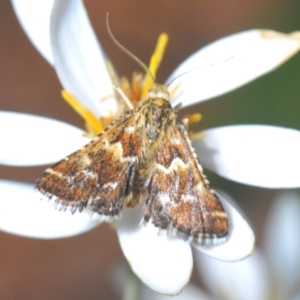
x: 135, y: 90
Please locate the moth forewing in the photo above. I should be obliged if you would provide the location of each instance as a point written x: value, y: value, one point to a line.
x: 180, y: 200
x: 97, y: 177
x: 144, y: 155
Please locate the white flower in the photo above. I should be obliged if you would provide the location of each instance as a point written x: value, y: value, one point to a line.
x: 127, y: 286
x: 191, y: 292
x: 271, y: 272
x: 163, y: 263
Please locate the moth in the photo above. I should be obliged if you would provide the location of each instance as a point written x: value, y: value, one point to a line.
x: 143, y: 156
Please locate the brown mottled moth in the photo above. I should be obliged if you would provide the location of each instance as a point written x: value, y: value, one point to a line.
x: 144, y: 155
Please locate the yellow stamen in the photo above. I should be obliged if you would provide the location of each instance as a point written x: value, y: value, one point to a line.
x: 125, y: 86
x: 194, y: 118
x: 155, y: 61
x: 196, y: 136
x: 92, y: 122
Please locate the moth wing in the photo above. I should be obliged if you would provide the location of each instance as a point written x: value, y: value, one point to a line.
x: 180, y: 200
x: 97, y: 177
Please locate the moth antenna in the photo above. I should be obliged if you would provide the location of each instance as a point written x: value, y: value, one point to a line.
x: 136, y: 59
x: 199, y: 68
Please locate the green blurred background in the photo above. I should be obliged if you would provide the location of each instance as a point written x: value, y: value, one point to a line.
x: 80, y: 267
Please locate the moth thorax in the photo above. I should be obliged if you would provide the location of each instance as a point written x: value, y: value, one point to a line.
x: 158, y: 91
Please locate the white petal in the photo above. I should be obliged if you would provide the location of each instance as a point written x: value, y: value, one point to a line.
x: 244, y: 280
x: 31, y: 140
x: 296, y: 297
x: 282, y: 241
x: 259, y: 155
x: 79, y: 60
x: 23, y: 213
x: 34, y: 16
x: 241, y: 241
x: 237, y: 59
x: 191, y: 292
x: 163, y: 264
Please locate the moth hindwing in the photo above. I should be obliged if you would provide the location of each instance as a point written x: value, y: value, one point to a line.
x: 145, y: 155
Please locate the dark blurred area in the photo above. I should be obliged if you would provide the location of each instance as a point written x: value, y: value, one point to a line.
x: 80, y: 267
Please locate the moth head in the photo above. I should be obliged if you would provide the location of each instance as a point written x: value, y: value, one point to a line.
x: 158, y: 91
